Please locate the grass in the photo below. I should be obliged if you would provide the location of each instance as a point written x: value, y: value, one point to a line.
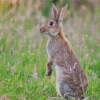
x: 23, y: 60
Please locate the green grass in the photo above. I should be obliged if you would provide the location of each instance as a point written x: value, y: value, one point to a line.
x: 23, y: 61
x: 17, y: 75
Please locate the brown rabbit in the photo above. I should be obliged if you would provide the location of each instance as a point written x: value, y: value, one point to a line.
x: 71, y: 80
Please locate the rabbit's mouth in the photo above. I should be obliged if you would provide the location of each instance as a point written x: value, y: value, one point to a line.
x: 44, y: 32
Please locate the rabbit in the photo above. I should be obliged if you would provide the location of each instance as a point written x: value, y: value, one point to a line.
x: 71, y: 81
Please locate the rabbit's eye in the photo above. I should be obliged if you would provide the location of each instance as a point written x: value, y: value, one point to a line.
x: 51, y: 23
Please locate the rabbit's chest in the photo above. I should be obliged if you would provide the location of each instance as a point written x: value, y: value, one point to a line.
x: 49, y: 46
x: 52, y: 49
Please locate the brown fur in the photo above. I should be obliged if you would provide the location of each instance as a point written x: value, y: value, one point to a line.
x: 61, y: 54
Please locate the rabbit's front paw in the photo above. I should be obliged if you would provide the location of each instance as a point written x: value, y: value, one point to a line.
x: 48, y: 73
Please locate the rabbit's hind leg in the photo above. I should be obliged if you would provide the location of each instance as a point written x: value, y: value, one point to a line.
x: 67, y: 92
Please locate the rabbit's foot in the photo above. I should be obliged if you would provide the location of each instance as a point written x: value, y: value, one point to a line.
x: 48, y: 73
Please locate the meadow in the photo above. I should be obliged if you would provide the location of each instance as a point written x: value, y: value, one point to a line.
x: 23, y: 54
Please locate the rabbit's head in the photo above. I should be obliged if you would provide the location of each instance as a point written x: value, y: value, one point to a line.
x: 53, y: 26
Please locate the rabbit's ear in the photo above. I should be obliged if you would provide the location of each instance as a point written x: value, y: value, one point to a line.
x: 61, y: 13
x: 54, y: 9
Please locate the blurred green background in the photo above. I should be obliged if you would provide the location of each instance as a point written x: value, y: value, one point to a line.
x: 23, y: 54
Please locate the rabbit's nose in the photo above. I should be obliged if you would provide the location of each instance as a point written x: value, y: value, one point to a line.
x: 43, y: 29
